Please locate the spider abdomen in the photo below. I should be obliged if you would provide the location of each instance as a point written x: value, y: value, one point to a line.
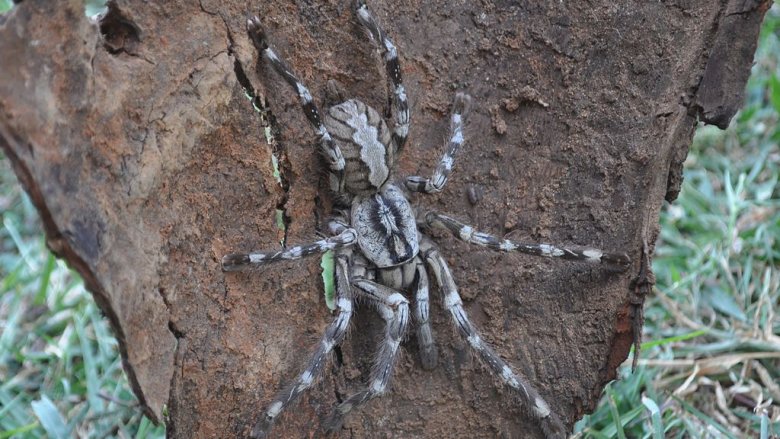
x: 365, y: 141
x: 387, y: 232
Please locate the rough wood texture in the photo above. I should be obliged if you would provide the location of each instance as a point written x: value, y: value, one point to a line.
x: 147, y: 163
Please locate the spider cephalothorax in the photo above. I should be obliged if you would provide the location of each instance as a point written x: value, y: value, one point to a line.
x: 381, y: 255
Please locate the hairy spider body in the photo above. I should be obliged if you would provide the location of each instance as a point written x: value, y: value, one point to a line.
x: 382, y: 257
x: 365, y: 141
x: 387, y: 232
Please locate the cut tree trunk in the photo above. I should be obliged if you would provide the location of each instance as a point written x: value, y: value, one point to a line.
x: 137, y: 144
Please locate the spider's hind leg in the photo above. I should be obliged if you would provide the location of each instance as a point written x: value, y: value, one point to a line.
x: 530, y: 399
x: 429, y: 355
x: 334, y: 335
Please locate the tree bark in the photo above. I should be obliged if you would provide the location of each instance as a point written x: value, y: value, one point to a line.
x: 136, y: 142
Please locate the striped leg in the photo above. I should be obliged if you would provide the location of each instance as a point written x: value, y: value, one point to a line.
x: 393, y: 68
x: 330, y: 150
x: 241, y: 261
x: 387, y: 299
x: 619, y: 261
x: 429, y: 355
x: 460, y: 108
x: 529, y: 397
x: 334, y: 335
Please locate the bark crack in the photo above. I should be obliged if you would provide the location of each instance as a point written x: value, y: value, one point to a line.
x: 280, y: 165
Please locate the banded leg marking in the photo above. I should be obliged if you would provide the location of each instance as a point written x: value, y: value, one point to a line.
x: 393, y: 69
x: 240, y: 261
x: 330, y: 150
x: 334, y: 335
x: 460, y: 108
x: 429, y: 355
x: 467, y: 233
x: 382, y: 370
x: 529, y: 397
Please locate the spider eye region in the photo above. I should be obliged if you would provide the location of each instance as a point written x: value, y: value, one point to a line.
x: 387, y: 233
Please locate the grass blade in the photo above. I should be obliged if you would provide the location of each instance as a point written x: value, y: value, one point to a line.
x: 615, y: 414
x: 674, y: 339
x: 18, y: 432
x: 50, y: 418
x: 655, y: 416
x: 328, y: 266
x: 764, y: 426
x: 90, y: 367
x: 43, y: 287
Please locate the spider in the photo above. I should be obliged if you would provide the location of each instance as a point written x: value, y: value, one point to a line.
x: 382, y: 255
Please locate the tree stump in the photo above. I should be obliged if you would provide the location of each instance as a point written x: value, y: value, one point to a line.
x: 135, y: 140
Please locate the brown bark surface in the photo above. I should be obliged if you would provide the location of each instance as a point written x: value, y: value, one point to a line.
x: 137, y: 144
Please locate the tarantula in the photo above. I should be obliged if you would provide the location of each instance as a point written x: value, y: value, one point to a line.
x: 380, y: 252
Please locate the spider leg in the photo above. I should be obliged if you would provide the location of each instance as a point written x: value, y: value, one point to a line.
x: 464, y: 232
x: 240, y: 261
x: 460, y: 108
x: 429, y: 355
x: 334, y: 335
x: 387, y: 300
x: 393, y: 68
x: 330, y: 150
x: 529, y: 397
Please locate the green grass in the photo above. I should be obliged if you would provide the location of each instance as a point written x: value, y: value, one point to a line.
x: 711, y: 363
x: 709, y: 366
x: 60, y: 371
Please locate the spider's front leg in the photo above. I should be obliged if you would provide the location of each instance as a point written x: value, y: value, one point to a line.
x: 464, y: 232
x: 401, y: 116
x: 334, y: 335
x: 394, y: 308
x: 530, y: 399
x: 460, y: 109
x: 330, y: 150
